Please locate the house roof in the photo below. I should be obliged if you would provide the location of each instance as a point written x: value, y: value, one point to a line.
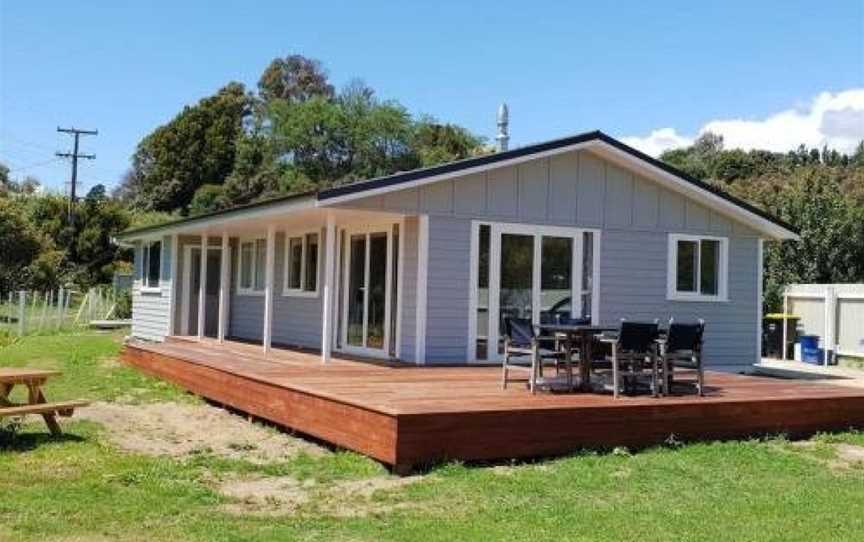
x: 596, y: 140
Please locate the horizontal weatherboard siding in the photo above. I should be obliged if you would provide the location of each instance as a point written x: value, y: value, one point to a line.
x: 151, y: 309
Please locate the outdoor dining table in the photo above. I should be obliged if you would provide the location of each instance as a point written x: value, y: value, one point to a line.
x: 34, y: 380
x: 583, y: 334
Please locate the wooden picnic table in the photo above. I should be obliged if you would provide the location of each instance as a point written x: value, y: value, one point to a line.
x: 34, y: 380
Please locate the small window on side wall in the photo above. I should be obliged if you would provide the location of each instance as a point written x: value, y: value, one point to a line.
x: 251, y: 267
x: 301, y: 264
x: 698, y: 268
x: 152, y: 264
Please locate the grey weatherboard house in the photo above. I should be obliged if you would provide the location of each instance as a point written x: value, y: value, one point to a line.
x: 422, y: 266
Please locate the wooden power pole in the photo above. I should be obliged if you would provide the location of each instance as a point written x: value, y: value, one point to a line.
x: 75, y: 155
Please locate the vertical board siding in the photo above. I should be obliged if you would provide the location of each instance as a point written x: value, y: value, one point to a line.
x: 150, y: 310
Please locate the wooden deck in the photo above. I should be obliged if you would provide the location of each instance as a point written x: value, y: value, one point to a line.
x: 407, y: 416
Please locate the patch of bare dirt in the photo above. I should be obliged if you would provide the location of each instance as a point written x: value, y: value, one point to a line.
x: 848, y: 455
x: 270, y: 496
x: 178, y: 430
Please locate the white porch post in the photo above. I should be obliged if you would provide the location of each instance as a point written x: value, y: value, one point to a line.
x: 175, y: 285
x: 327, y: 317
x: 422, y: 268
x: 224, y: 288
x: 268, y: 287
x: 202, y: 286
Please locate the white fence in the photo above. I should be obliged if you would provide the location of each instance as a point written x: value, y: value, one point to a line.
x: 834, y: 312
x: 25, y: 312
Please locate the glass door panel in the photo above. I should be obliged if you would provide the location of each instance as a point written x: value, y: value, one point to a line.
x: 516, y: 296
x: 377, y: 302
x: 556, y: 279
x: 587, y: 286
x: 356, y: 289
x: 483, y: 246
x: 194, y: 287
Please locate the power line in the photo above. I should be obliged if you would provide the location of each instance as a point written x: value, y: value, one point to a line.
x: 75, y: 155
x: 34, y: 164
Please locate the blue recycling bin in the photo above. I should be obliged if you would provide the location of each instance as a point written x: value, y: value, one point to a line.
x: 810, y: 351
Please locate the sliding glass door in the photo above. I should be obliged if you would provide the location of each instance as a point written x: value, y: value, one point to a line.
x: 367, y: 284
x: 540, y: 273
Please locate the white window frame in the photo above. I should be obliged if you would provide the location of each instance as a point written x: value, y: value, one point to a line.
x: 146, y: 248
x: 250, y: 291
x: 672, y: 293
x: 301, y: 292
x: 537, y: 230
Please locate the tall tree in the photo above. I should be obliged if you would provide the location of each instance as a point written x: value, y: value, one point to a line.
x: 197, y: 147
x: 294, y: 78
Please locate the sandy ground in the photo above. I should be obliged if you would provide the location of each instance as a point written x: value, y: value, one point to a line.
x: 176, y: 430
x: 179, y: 430
x: 284, y: 495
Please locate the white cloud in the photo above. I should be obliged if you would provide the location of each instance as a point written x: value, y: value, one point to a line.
x: 832, y: 119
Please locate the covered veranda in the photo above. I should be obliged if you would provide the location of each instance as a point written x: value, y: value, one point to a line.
x: 342, y: 267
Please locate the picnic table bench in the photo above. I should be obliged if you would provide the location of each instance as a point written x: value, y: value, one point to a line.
x: 34, y: 380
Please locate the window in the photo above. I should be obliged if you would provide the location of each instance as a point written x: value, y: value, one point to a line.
x: 251, y: 268
x: 698, y: 268
x: 301, y: 264
x: 151, y: 265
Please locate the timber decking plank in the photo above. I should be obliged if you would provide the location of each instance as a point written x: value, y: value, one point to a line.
x: 405, y: 415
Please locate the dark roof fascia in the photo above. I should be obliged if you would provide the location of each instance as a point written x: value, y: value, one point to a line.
x: 468, y: 163
x: 273, y: 202
x: 491, y: 159
x: 452, y: 167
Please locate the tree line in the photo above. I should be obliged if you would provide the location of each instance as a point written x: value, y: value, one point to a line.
x: 296, y: 132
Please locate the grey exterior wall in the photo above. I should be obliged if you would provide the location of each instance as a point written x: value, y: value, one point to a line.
x: 296, y: 320
x: 635, y: 216
x: 150, y: 310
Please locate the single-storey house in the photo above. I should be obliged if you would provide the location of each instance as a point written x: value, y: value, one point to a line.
x: 423, y: 266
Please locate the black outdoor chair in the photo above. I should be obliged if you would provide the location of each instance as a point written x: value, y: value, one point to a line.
x: 683, y: 349
x: 524, y: 349
x: 633, y: 351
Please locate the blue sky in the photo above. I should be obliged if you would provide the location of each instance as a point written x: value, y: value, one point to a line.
x: 765, y: 74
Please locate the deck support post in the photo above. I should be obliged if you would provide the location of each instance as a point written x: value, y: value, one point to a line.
x: 328, y: 319
x: 268, y: 288
x: 224, y: 288
x: 202, y: 286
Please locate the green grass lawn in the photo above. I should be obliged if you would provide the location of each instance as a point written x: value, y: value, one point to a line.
x: 79, y: 487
